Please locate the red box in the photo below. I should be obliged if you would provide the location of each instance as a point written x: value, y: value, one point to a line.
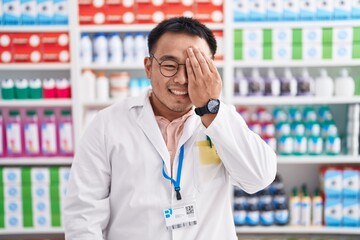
x: 209, y: 12
x: 55, y: 47
x: 89, y: 14
x: 147, y: 13
x: 174, y: 9
x: 219, y: 36
x: 27, y: 47
x: 6, y: 48
x: 120, y: 15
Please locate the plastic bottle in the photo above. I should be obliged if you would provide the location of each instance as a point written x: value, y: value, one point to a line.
x: 266, y: 215
x: 35, y: 88
x: 239, y: 215
x: 317, y: 208
x: 272, y: 84
x: 305, y: 84
x: 344, y: 85
x: 102, y: 87
x: 281, y: 214
x: 140, y: 47
x: 31, y: 133
x: 88, y: 81
x: 49, y: 88
x: 63, y: 88
x: 256, y: 83
x: 2, y: 136
x: 324, y: 85
x: 241, y: 85
x: 65, y: 130
x: 86, y: 49
x: 288, y: 84
x: 21, y: 88
x: 48, y: 134
x: 295, y: 207
x: 7, y: 89
x: 129, y: 48
x: 100, y: 48
x: 305, y: 207
x: 252, y: 211
x: 115, y: 48
x: 14, y: 134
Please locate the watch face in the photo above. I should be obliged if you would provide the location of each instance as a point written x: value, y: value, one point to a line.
x: 213, y: 105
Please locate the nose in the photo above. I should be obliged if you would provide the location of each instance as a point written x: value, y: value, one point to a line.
x: 181, y: 76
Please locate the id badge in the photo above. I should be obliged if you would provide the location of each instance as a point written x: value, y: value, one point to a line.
x: 181, y: 215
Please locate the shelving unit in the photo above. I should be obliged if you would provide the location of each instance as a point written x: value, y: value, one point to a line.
x: 305, y: 167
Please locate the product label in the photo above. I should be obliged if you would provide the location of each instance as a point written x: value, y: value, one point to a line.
x: 65, y: 133
x: 48, y: 141
x: 31, y: 138
x: 180, y: 216
x: 13, y: 138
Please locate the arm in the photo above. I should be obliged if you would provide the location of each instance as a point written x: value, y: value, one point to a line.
x: 86, y: 210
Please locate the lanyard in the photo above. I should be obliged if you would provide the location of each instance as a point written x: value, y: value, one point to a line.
x: 178, y: 176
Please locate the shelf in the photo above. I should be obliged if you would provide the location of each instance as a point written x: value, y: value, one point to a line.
x: 322, y: 159
x: 36, y: 103
x: 298, y: 100
x: 99, y: 104
x: 34, y: 66
x: 131, y: 27
x: 296, y: 63
x: 32, y: 231
x: 298, y: 230
x: 297, y: 24
x: 34, y: 28
x: 35, y: 161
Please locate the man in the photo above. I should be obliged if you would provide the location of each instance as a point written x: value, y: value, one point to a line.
x: 158, y: 166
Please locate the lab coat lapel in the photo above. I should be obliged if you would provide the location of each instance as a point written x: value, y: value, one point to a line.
x: 191, y: 127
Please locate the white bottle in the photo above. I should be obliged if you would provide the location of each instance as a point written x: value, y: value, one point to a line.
x: 305, y: 83
x: 256, y: 83
x: 88, y: 79
x: 288, y: 84
x: 272, y: 84
x: 344, y: 85
x: 129, y: 51
x: 140, y: 48
x: 324, y: 85
x: 241, y: 85
x: 102, y: 87
x: 115, y: 48
x: 86, y: 49
x: 100, y: 48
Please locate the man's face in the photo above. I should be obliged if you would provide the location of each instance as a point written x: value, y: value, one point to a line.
x: 170, y: 94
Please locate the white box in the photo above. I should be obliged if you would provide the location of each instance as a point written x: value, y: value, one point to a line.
x: 40, y: 175
x: 13, y: 206
x: 64, y: 173
x: 252, y: 35
x: 257, y: 10
x: 355, y: 10
x: 282, y: 51
x: 351, y: 183
x: 351, y: 213
x: 253, y: 52
x: 41, y: 220
x: 312, y: 36
x: 45, y: 10
x: 274, y: 10
x: 281, y: 35
x: 12, y: 191
x: 332, y: 183
x: 307, y: 9
x: 325, y: 9
x: 11, y: 12
x: 342, y: 51
x: 241, y: 10
x: 291, y: 9
x: 40, y: 191
x: 343, y: 35
x: 333, y: 212
x: 28, y: 12
x: 342, y: 9
x: 11, y: 175
x: 312, y: 52
x: 13, y: 221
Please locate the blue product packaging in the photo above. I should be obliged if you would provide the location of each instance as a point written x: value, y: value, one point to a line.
x: 307, y: 10
x: 274, y: 10
x: 325, y: 9
x: 61, y: 13
x: 11, y: 12
x: 1, y: 13
x: 45, y: 12
x: 28, y: 12
x: 342, y: 9
x: 333, y: 212
x: 257, y: 10
x: 239, y: 215
x: 290, y: 10
x: 241, y: 10
x: 351, y: 183
x: 355, y: 10
x: 350, y: 213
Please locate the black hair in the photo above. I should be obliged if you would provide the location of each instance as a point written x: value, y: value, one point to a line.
x: 182, y: 25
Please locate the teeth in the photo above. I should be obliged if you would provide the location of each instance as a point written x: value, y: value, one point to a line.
x: 176, y: 92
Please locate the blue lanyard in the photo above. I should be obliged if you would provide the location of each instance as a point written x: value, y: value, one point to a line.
x: 178, y: 177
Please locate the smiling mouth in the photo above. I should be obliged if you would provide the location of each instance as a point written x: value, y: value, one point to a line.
x: 178, y: 92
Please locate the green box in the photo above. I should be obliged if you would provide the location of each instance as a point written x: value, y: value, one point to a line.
x: 356, y: 34
x: 238, y: 53
x: 356, y: 51
x: 296, y: 52
x: 327, y: 51
x: 296, y: 36
x: 267, y: 36
x: 327, y: 35
x: 238, y: 36
x: 267, y: 52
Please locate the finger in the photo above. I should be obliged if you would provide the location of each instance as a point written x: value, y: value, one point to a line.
x: 194, y: 63
x: 210, y: 62
x: 189, y: 70
x: 202, y: 60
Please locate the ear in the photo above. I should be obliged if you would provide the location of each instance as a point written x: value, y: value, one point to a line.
x: 147, y: 65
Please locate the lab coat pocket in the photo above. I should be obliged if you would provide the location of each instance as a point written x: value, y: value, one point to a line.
x: 207, y: 153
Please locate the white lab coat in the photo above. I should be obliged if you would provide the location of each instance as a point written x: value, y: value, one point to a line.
x: 117, y: 191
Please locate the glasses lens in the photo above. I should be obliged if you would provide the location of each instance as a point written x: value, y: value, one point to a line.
x: 169, y: 68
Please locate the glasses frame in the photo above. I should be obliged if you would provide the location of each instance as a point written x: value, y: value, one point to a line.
x: 177, y: 70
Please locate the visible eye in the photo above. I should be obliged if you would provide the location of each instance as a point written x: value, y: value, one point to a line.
x: 169, y: 65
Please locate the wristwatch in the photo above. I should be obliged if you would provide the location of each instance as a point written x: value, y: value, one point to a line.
x: 211, y: 107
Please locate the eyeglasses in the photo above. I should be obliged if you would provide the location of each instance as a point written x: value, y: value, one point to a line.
x: 168, y: 68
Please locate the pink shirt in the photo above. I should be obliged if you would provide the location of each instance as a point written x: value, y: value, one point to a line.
x: 172, y: 131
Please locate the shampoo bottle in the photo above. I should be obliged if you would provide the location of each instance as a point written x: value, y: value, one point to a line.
x: 272, y: 84
x: 317, y: 209
x: 241, y: 86
x: 344, y: 85
x: 324, y: 85
x: 295, y: 207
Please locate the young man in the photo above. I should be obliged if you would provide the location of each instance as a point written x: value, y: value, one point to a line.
x: 158, y: 166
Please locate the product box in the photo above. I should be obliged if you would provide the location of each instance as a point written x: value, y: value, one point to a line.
x: 331, y: 181
x: 28, y: 12
x: 312, y: 36
x: 342, y: 51
x: 1, y: 12
x: 6, y: 48
x: 274, y: 10
x: 11, y: 12
x: 253, y: 36
x: 282, y: 51
x: 13, y: 221
x: 355, y: 10
x: 241, y: 10
x: 281, y: 36
x: 40, y: 191
x: 41, y: 213
x: 307, y: 9
x: 40, y: 175
x: 55, y: 47
x: 325, y: 9
x: 257, y: 10
x: 12, y: 191
x: 333, y: 212
x: 45, y: 12
x: 26, y: 47
x: 351, y: 212
x: 13, y: 207
x: 291, y: 10
x: 209, y: 11
x: 351, y: 183
x: 342, y: 9
x: 312, y: 52
x: 147, y: 13
x: 11, y: 175
x: 173, y: 9
x: 253, y: 52
x: 90, y: 14
x: 219, y: 36
x: 343, y: 35
x: 61, y: 12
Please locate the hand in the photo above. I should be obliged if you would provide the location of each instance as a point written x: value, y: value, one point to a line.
x: 204, y: 81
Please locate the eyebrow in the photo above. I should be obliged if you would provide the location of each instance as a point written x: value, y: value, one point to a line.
x: 169, y: 57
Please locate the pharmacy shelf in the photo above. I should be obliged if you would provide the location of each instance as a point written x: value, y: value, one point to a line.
x: 32, y: 231
x: 296, y: 63
x: 321, y: 159
x: 99, y: 104
x: 35, y: 66
x: 36, y: 103
x: 296, y: 24
x: 35, y: 161
x: 131, y: 27
x: 298, y: 100
x: 299, y: 230
x: 35, y: 28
